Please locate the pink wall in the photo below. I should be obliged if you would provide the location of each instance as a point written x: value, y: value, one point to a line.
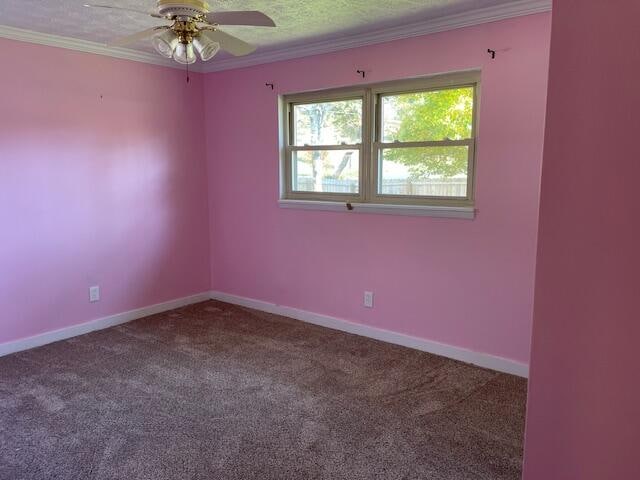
x: 466, y: 283
x: 584, y: 398
x: 109, y: 191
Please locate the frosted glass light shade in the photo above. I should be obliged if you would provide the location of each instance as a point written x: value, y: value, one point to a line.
x: 205, y: 47
x: 184, y: 54
x: 166, y: 43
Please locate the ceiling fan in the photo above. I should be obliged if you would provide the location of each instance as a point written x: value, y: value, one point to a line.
x: 194, y: 28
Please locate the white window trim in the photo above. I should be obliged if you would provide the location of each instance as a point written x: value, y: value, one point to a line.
x: 368, y: 201
x: 467, y: 213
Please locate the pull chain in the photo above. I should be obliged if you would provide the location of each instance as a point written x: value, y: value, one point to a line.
x: 186, y: 58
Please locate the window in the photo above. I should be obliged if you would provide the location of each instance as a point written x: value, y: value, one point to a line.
x: 326, y: 146
x: 406, y: 143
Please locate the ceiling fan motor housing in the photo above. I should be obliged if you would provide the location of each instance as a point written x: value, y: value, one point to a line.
x: 183, y: 8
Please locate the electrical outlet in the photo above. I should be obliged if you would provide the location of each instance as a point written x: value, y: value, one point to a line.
x: 368, y: 299
x: 94, y: 294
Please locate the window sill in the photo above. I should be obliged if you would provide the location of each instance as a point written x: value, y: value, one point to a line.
x: 467, y: 213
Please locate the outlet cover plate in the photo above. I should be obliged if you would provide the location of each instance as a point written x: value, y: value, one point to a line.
x: 94, y: 294
x: 368, y: 299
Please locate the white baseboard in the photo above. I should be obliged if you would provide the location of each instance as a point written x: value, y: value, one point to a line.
x: 484, y: 360
x: 98, y: 324
x: 476, y: 358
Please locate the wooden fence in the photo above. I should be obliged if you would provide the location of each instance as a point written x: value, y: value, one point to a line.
x: 443, y: 187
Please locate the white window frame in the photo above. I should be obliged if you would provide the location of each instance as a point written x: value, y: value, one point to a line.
x: 368, y: 200
x: 290, y: 148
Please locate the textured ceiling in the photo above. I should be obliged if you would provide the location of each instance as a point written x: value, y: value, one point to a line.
x: 299, y: 21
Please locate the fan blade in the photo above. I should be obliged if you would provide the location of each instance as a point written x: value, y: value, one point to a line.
x: 229, y: 43
x: 249, y: 18
x: 124, y: 9
x: 149, y: 32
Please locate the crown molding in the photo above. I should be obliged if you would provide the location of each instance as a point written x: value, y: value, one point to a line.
x: 479, y: 16
x: 85, y: 46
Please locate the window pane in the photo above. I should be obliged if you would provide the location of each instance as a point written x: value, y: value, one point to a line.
x: 335, y: 171
x: 425, y: 171
x: 428, y: 116
x: 328, y: 123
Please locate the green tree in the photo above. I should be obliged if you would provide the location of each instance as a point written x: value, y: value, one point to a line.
x: 429, y: 116
x: 328, y: 123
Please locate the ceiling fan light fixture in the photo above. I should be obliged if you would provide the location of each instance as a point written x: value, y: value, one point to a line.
x: 194, y: 28
x: 206, y: 48
x: 184, y: 54
x: 166, y: 43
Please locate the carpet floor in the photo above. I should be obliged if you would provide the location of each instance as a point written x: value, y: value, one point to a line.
x: 215, y: 391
